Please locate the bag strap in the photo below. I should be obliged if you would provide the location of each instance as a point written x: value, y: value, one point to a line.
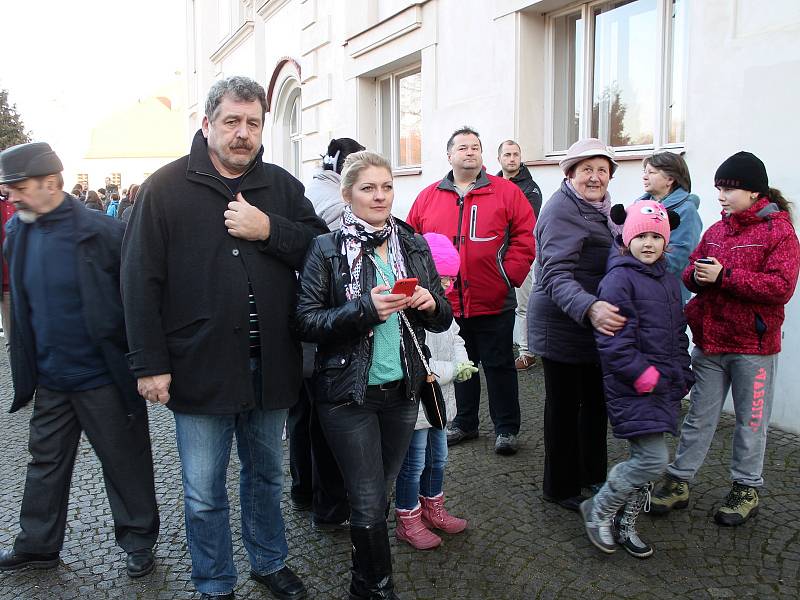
x: 404, y: 320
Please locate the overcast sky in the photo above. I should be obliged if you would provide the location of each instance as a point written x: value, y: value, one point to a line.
x: 67, y: 65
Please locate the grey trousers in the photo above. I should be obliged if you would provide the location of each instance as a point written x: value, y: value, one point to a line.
x: 523, y: 293
x: 750, y: 377
x: 648, y: 459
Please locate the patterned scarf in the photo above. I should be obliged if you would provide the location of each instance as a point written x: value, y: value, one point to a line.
x: 360, y: 238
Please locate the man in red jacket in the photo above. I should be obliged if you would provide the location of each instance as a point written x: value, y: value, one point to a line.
x: 491, y: 224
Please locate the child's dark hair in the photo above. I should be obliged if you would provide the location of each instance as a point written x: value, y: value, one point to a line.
x: 338, y: 150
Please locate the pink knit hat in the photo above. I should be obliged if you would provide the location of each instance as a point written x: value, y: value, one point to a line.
x: 643, y: 216
x: 445, y: 256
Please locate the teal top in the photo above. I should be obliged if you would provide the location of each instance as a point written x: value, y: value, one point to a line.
x: 386, y: 363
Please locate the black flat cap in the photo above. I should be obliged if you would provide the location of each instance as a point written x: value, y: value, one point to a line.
x: 24, y: 161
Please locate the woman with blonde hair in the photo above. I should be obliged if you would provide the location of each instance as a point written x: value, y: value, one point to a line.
x: 368, y: 372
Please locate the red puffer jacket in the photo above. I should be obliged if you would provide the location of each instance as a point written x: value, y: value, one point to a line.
x: 743, y: 314
x: 492, y: 229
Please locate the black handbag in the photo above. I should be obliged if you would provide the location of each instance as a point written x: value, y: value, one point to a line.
x: 432, y: 401
x: 430, y: 394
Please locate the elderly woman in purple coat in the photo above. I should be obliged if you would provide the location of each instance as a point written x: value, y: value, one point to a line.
x: 574, y: 235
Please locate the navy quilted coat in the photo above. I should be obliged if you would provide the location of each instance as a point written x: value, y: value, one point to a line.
x: 654, y: 334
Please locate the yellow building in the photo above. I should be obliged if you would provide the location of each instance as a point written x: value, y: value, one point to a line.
x: 135, y: 141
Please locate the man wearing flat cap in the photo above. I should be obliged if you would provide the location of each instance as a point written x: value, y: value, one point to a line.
x: 68, y: 350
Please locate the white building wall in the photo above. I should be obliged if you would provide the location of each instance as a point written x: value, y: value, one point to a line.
x: 484, y: 64
x: 744, y: 83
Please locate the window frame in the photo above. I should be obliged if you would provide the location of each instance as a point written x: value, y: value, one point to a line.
x: 663, y: 61
x: 393, y: 152
x: 295, y: 137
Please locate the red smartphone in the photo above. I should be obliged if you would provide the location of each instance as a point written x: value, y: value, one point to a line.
x: 405, y: 286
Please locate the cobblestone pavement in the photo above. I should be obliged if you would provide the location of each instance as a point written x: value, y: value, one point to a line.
x: 516, y: 547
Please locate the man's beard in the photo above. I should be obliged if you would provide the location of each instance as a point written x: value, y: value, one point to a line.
x: 26, y: 215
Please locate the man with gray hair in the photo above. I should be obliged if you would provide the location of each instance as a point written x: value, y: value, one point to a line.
x: 208, y: 283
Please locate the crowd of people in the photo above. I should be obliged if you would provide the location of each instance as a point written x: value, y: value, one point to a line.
x: 108, y: 200
x: 387, y: 311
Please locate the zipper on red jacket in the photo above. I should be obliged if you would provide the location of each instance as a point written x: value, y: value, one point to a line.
x: 457, y: 244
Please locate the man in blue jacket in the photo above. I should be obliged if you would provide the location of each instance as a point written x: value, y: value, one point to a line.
x: 68, y: 350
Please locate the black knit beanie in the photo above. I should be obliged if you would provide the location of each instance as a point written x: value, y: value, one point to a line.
x: 743, y: 171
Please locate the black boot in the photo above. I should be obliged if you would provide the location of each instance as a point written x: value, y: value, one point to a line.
x: 372, y: 564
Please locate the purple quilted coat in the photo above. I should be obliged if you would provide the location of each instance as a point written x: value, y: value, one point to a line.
x: 654, y: 334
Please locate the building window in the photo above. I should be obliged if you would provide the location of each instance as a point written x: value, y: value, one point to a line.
x: 618, y: 73
x: 83, y: 179
x: 400, y: 117
x: 116, y: 179
x: 294, y: 136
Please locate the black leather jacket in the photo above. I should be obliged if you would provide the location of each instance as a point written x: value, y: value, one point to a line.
x: 341, y: 328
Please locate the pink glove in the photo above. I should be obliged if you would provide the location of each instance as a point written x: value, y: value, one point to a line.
x: 647, y: 381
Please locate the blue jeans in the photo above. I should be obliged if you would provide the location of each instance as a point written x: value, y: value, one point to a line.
x: 204, y: 446
x: 422, y: 472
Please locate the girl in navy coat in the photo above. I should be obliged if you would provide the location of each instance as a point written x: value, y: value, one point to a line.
x: 645, y: 373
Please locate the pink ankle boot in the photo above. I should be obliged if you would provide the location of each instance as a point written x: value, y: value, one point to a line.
x: 435, y: 516
x: 410, y: 529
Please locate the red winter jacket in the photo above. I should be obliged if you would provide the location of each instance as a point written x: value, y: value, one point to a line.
x: 743, y: 313
x: 493, y: 231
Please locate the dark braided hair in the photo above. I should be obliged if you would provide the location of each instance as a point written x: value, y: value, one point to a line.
x: 344, y: 147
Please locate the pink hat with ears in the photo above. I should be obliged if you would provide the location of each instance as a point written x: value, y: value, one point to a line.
x: 445, y: 256
x: 643, y: 216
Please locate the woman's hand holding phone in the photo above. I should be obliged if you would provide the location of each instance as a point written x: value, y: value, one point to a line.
x: 387, y: 304
x: 422, y: 300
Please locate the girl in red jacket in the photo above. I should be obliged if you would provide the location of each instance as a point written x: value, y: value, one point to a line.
x: 744, y: 271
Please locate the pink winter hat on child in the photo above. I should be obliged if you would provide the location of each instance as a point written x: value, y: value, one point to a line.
x: 643, y: 216
x: 445, y: 256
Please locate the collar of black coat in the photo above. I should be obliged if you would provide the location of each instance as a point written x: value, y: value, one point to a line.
x: 521, y: 175
x: 202, y: 170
